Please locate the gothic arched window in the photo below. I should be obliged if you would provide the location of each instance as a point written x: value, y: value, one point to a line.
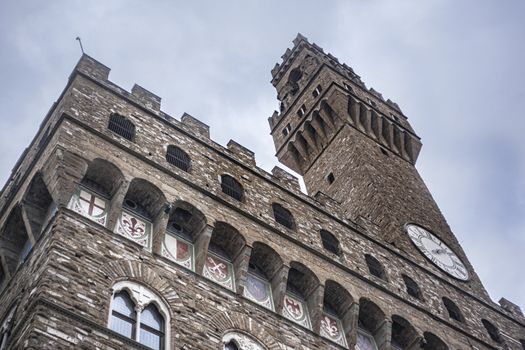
x: 232, y: 187
x: 283, y: 216
x: 177, y: 157
x: 139, y: 314
x: 411, y: 287
x: 375, y: 267
x: 123, y: 315
x: 453, y: 310
x: 492, y: 331
x: 121, y: 126
x: 330, y: 243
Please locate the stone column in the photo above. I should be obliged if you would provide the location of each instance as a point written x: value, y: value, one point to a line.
x: 202, y: 241
x: 383, y: 335
x: 115, y: 205
x: 350, y: 321
x: 315, y: 306
x: 159, y: 230
x: 240, y: 266
x: 279, y: 287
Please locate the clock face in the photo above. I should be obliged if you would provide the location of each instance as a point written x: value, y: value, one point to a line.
x: 437, y: 252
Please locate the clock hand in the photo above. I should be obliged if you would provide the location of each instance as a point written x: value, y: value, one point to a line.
x: 439, y: 251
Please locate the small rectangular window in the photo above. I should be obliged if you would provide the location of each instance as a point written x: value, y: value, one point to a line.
x: 287, y: 129
x: 301, y: 111
x: 317, y: 91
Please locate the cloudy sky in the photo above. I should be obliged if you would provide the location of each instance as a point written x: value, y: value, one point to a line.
x: 455, y: 67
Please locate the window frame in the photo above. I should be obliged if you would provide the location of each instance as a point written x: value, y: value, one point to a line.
x: 180, y: 160
x: 126, y: 131
x: 289, y: 216
x: 231, y: 187
x: 142, y: 297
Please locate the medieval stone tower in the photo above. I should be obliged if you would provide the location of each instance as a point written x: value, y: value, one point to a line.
x: 124, y: 228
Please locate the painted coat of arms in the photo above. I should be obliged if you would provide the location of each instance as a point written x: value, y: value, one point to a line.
x: 135, y: 228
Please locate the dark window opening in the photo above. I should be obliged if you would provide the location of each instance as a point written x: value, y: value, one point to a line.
x: 178, y: 157
x: 231, y: 346
x: 411, y: 287
x: 384, y: 151
x: 301, y: 111
x: 121, y: 126
x: 394, y: 117
x: 317, y: 91
x: 282, y: 216
x: 375, y: 267
x: 295, y: 75
x: 330, y: 243
x: 348, y: 87
x: 453, y: 310
x: 330, y: 178
x: 287, y: 129
x: 492, y: 331
x: 178, y: 224
x: 522, y: 341
x: 370, y: 102
x: 232, y: 187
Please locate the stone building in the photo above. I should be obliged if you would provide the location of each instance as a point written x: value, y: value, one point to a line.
x: 124, y: 228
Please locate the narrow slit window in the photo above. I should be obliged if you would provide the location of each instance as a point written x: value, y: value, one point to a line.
x: 301, y: 111
x: 317, y: 91
x: 287, y: 129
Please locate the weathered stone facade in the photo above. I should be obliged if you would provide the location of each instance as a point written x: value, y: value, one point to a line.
x: 64, y: 255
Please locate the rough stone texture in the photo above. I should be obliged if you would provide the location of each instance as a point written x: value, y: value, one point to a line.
x: 63, y: 289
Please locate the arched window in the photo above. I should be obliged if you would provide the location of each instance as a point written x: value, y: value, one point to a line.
x: 151, y: 327
x: 375, y: 267
x: 121, y: 126
x: 177, y: 157
x: 123, y: 315
x: 184, y: 224
x: 300, y: 290
x: 492, y: 331
x: 5, y: 328
x: 240, y: 341
x: 231, y: 346
x: 330, y: 243
x: 336, y: 308
x: 453, y: 310
x: 226, y: 243
x: 262, y: 278
x: 403, y: 333
x: 412, y: 288
x: 282, y: 216
x: 232, y: 187
x: 139, y: 314
x: 92, y: 197
x: 142, y: 204
x: 371, y: 325
x: 433, y: 342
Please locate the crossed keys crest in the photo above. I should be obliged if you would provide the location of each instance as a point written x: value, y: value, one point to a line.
x: 218, y: 269
x: 329, y: 326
